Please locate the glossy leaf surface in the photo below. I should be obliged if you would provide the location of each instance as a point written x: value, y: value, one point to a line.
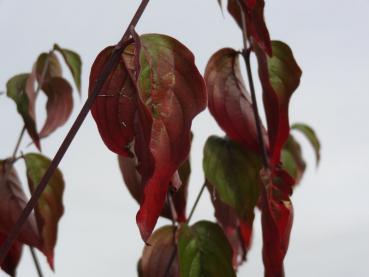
x: 50, y: 207
x: 204, y: 250
x: 279, y: 76
x: 20, y: 89
x: 229, y: 102
x: 59, y: 104
x: 12, y: 202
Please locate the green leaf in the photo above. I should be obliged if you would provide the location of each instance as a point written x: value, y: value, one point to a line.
x: 234, y: 172
x: 50, y: 207
x: 73, y: 61
x: 20, y: 89
x: 292, y: 159
x: 204, y: 250
x: 311, y: 137
x: 53, y: 67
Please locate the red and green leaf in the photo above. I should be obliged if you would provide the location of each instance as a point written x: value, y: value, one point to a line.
x: 292, y: 159
x: 229, y: 101
x: 173, y: 92
x: 47, y: 66
x: 20, y: 89
x: 276, y: 218
x: 11, y: 260
x: 12, y: 202
x: 49, y: 208
x: 59, y: 104
x: 280, y: 77
x: 74, y: 63
x: 157, y: 255
x: 203, y: 250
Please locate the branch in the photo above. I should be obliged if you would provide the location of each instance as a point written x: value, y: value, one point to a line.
x: 112, y: 62
x: 246, y: 55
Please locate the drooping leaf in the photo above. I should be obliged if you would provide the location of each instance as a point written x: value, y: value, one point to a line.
x: 12, y: 202
x: 173, y: 91
x: 229, y: 102
x: 234, y: 173
x: 115, y: 107
x: 158, y: 253
x: 74, y: 63
x: 254, y: 20
x: 204, y: 250
x: 237, y: 230
x: 279, y: 76
x: 133, y: 181
x: 11, y: 260
x: 292, y: 159
x: 59, y: 104
x: 49, y: 208
x: 311, y: 137
x: 49, y: 64
x: 20, y: 89
x: 276, y: 218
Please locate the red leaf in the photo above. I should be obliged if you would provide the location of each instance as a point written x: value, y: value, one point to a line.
x: 115, y: 107
x: 12, y: 259
x: 254, y: 20
x: 133, y: 181
x: 229, y: 102
x: 277, y: 217
x: 12, y: 202
x: 59, y: 104
x: 280, y: 76
x: 174, y: 92
x: 157, y: 254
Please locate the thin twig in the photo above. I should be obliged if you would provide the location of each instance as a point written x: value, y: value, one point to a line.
x: 246, y: 55
x: 36, y: 262
x: 111, y: 63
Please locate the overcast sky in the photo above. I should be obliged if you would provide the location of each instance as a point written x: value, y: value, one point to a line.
x: 98, y: 235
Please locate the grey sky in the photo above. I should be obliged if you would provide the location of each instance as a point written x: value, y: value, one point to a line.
x: 98, y: 235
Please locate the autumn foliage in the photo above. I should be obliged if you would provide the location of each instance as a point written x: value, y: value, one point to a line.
x: 144, y: 109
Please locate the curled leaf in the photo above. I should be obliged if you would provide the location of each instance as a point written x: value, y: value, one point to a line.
x: 204, y: 250
x: 292, y: 159
x: 12, y: 202
x: 279, y: 76
x: 158, y: 253
x: 229, y: 101
x: 311, y: 136
x: 49, y: 208
x: 59, y: 104
x: 254, y: 21
x: 48, y: 66
x: 20, y: 89
x: 74, y: 63
x: 276, y: 218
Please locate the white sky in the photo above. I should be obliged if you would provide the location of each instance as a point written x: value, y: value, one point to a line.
x: 98, y: 234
